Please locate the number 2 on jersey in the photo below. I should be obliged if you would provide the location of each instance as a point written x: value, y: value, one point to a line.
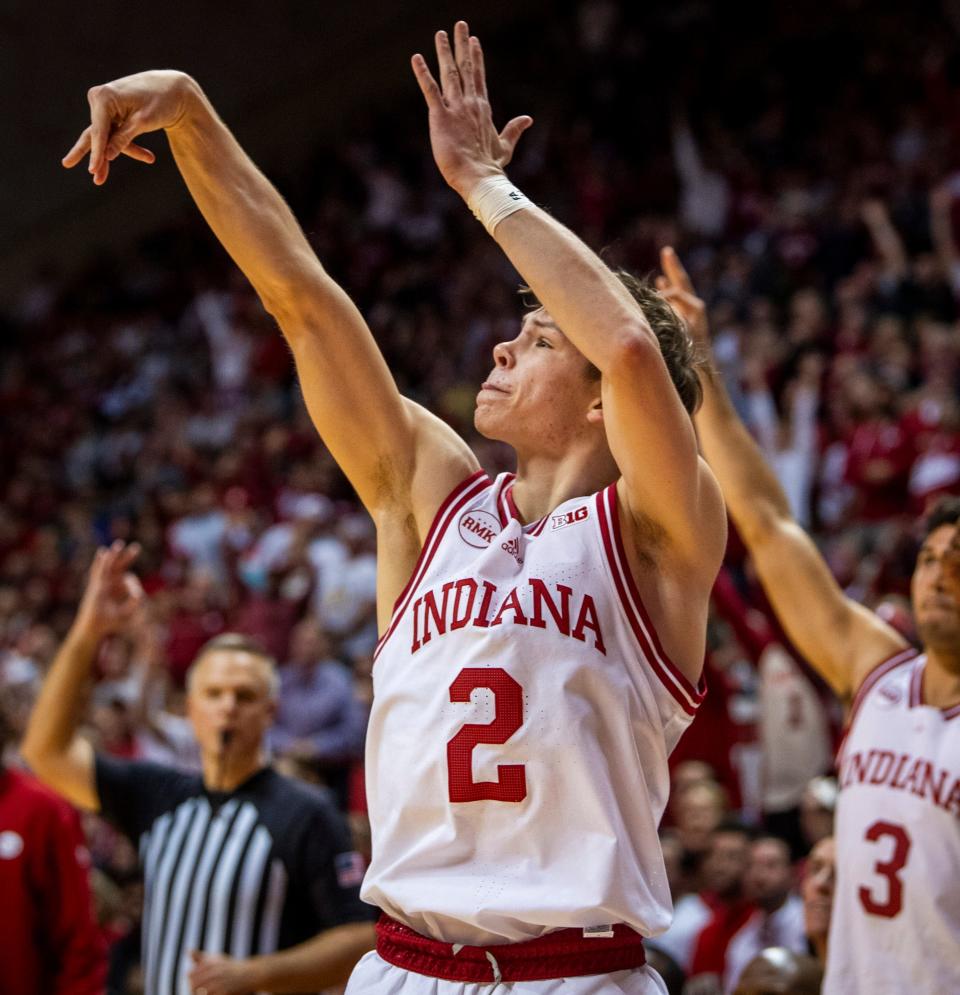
x: 888, y: 869
x: 511, y: 782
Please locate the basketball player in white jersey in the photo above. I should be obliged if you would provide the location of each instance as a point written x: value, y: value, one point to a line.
x: 896, y: 916
x: 542, y: 633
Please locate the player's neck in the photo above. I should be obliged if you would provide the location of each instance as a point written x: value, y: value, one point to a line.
x: 941, y: 679
x: 545, y: 482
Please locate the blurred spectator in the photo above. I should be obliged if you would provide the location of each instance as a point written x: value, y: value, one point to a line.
x: 728, y: 906
x: 816, y: 890
x: 817, y: 808
x: 319, y: 719
x: 704, y: 921
x: 778, y: 920
x: 779, y: 971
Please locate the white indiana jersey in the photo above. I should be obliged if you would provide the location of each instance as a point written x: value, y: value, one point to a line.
x: 522, y: 717
x: 896, y: 913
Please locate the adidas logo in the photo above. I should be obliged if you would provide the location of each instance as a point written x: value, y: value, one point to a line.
x: 512, y: 546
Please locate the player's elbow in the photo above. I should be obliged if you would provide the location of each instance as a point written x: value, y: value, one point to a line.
x: 762, y: 522
x: 634, y: 352
x: 300, y: 299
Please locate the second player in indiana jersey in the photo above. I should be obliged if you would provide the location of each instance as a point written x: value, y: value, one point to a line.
x: 543, y: 633
x: 896, y: 916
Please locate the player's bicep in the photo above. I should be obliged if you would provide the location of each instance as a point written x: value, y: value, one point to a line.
x: 837, y: 636
x: 654, y: 444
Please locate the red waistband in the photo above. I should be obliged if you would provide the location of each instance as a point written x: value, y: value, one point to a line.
x: 564, y: 953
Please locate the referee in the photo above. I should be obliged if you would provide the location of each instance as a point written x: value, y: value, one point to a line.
x: 250, y: 881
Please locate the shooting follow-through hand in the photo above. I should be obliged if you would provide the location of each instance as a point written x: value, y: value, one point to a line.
x: 122, y: 110
x: 466, y: 145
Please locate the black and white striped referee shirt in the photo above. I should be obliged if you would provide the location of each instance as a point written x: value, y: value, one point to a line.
x: 260, y: 869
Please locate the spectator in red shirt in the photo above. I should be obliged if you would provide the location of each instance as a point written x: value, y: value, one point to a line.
x: 50, y: 943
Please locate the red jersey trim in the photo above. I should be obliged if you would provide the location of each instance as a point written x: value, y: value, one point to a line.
x: 534, y: 528
x: 506, y: 509
x: 685, y: 694
x: 564, y: 953
x: 538, y: 527
x: 881, y: 670
x: 455, y: 500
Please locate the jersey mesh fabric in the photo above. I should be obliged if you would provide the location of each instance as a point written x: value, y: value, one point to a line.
x: 523, y: 714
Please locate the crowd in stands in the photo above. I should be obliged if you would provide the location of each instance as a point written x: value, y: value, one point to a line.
x: 805, y: 172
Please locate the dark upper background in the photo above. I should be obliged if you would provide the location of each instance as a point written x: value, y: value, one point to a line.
x: 283, y: 74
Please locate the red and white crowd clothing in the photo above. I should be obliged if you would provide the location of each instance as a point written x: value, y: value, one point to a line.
x: 50, y: 943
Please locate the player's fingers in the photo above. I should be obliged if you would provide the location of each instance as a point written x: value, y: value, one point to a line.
x: 139, y: 153
x: 674, y: 269
x: 663, y: 285
x: 512, y: 132
x: 80, y: 148
x: 100, y: 121
x: 428, y: 85
x: 449, y: 74
x: 461, y: 42
x: 479, y: 70
x: 123, y: 136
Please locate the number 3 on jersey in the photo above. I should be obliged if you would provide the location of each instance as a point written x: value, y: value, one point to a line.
x: 891, y: 905
x: 511, y: 782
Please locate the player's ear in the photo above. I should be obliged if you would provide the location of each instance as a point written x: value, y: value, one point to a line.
x: 595, y: 413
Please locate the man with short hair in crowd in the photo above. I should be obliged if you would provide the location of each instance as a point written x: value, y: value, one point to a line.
x: 778, y: 918
x: 251, y: 883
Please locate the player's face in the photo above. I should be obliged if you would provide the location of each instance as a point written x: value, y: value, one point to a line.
x: 229, y: 692
x: 935, y: 604
x: 817, y: 886
x: 538, y: 397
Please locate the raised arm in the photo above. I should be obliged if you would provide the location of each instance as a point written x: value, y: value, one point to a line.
x: 372, y: 432
x: 650, y: 434
x: 52, y: 746
x: 840, y: 638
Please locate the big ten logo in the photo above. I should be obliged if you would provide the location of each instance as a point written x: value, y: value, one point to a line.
x: 569, y: 518
x: 478, y: 528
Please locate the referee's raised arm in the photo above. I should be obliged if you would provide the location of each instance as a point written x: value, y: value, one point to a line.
x: 57, y: 754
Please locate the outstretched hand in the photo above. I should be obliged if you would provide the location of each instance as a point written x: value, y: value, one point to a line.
x: 466, y: 145
x: 113, y: 596
x: 124, y: 109
x: 676, y: 287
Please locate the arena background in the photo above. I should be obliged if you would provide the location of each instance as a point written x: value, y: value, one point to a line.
x: 802, y: 161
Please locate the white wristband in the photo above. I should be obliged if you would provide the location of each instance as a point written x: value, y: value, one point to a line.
x: 493, y: 199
